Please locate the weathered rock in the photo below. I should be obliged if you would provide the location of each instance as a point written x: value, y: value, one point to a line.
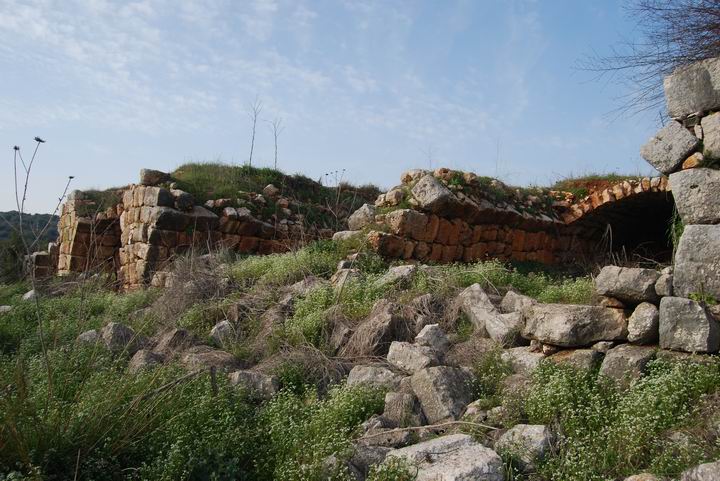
x: 182, y: 200
x: 515, y: 384
x: 91, y: 337
x: 711, y: 136
x: 413, y: 224
x: 433, y: 337
x: 144, y: 359
x: 697, y: 194
x: 664, y: 285
x: 574, y: 326
x: 697, y: 262
x: 578, y: 358
x: 270, y: 191
x: 703, y: 472
x: 174, y: 340
x: 466, y: 353
x: 203, y: 357
x: 514, y: 302
x: 411, y: 357
x: 643, y: 324
x: 339, y: 336
x: 522, y: 359
x: 397, y: 275
x: 527, y: 444
x: 5, y: 309
x: 119, y: 337
x: 603, y: 346
x: 333, y: 467
x: 687, y: 325
x: 505, y: 329
x: 625, y: 364
x: 30, y: 295
x: 374, y: 376
x: 222, y: 332
x: 693, y: 88
x: 386, y: 324
x: 256, y: 383
x: 402, y: 410
x: 153, y: 177
x: 362, y: 217
x: 433, y: 196
x: 629, y: 284
x: 670, y: 146
x: 456, y: 457
x: 365, y: 457
x: 158, y: 197
x: 443, y: 392
x: 476, y: 304
x: 345, y: 235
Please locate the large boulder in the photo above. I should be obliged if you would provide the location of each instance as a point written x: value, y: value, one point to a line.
x: 643, y: 324
x: 402, y: 410
x: 629, y: 284
x: 443, y: 392
x: 120, y: 338
x: 434, y: 196
x: 703, y: 472
x: 432, y: 336
x: 527, y: 444
x: 174, y: 340
x: 573, y: 325
x: 514, y: 302
x: 261, y: 385
x: 386, y: 323
x: 506, y: 329
x: 670, y: 146
x: 362, y: 217
x: 697, y: 262
x: 206, y: 357
x: 144, y: 359
x: 413, y: 224
x: 626, y: 363
x: 697, y: 195
x: 374, y: 376
x: 222, y: 332
x: 153, y: 177
x: 711, y: 136
x: 687, y: 325
x: 411, y: 357
x: 476, y: 305
x: 693, y: 88
x: 578, y: 358
x: 397, y: 275
x: 522, y: 360
x: 456, y: 457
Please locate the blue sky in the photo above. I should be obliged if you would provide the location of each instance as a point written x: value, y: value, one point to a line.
x: 372, y: 87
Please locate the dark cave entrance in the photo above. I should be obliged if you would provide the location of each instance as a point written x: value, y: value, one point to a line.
x: 636, y: 228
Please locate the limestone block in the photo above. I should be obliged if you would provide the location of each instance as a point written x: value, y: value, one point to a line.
x: 697, y: 194
x: 667, y: 150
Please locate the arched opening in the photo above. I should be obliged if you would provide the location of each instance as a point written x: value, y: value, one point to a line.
x: 637, y: 227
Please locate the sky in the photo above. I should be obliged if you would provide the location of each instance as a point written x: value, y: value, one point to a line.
x: 365, y: 89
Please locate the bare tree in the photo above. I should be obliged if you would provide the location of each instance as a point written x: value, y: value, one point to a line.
x: 672, y: 33
x: 277, y: 128
x: 254, y: 111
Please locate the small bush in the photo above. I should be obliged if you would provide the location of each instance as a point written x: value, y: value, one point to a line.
x: 489, y: 371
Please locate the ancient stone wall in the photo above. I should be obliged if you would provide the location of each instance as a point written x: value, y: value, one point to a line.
x: 450, y: 216
x: 151, y: 225
x: 88, y: 239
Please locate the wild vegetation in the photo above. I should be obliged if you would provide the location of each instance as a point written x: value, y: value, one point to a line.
x: 79, y: 412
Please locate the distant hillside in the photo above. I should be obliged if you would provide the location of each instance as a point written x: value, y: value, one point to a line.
x: 32, y: 225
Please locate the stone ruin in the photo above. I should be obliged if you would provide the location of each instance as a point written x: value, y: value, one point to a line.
x: 449, y: 216
x: 148, y: 226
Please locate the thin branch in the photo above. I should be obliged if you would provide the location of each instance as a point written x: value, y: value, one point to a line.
x: 429, y: 426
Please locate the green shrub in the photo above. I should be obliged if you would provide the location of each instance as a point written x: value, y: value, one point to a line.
x: 610, y: 435
x: 300, y: 431
x: 489, y: 370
